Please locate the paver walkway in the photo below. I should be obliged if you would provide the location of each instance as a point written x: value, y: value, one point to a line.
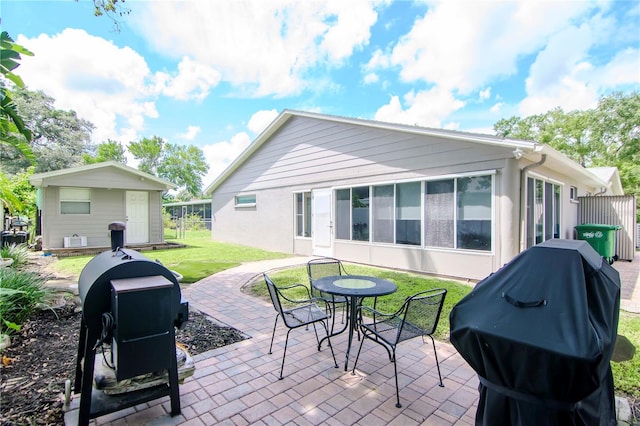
x: 238, y: 384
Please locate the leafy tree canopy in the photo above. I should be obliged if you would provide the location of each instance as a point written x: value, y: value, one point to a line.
x: 13, y: 131
x: 181, y: 165
x: 59, y: 138
x: 608, y: 135
x: 107, y: 151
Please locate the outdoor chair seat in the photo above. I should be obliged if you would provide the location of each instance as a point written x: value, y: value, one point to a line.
x: 305, y: 312
x: 418, y: 316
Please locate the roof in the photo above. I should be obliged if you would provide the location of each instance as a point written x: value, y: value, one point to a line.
x: 610, y: 175
x: 186, y: 203
x: 39, y: 178
x: 521, y: 147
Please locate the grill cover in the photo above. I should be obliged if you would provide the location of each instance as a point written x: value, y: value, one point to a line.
x: 540, y: 334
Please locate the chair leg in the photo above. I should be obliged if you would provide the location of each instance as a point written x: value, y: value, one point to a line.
x: 274, y: 333
x: 437, y: 364
x: 395, y: 371
x: 353, y: 372
x: 315, y: 331
x: 284, y: 354
x: 326, y: 328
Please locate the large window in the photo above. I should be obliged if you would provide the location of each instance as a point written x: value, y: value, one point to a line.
x: 303, y: 214
x: 473, y: 213
x: 75, y: 201
x: 439, y: 213
x: 543, y: 211
x: 352, y: 214
x: 382, y: 208
x: 408, y: 213
x: 449, y: 213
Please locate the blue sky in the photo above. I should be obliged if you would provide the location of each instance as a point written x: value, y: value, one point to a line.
x: 215, y: 73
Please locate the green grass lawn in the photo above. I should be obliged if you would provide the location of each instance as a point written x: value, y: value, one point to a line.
x: 204, y: 257
x: 201, y: 258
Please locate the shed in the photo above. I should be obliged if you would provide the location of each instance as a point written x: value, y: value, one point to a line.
x: 76, y: 205
x: 429, y: 200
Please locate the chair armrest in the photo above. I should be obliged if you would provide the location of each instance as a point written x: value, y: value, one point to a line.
x: 307, y: 300
x: 372, y: 313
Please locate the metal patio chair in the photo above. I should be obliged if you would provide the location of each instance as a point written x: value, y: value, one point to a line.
x: 325, y: 267
x: 304, y: 312
x: 418, y: 316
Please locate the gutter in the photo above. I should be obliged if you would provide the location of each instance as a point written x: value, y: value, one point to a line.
x: 523, y: 176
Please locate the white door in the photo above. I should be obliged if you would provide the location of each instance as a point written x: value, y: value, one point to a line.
x: 137, y: 217
x: 321, y: 222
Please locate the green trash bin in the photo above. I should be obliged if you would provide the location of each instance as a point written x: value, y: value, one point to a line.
x: 601, y: 237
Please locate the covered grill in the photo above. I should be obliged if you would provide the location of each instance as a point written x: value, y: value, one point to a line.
x: 540, y: 334
x: 133, y: 304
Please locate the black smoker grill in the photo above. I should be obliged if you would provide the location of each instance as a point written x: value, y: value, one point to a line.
x: 134, y: 304
x: 540, y: 333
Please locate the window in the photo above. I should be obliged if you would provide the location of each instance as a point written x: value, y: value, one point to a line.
x: 75, y: 201
x: 246, y: 200
x: 408, y: 213
x: 360, y: 213
x: 543, y: 211
x: 383, y: 214
x: 573, y: 194
x: 439, y: 213
x: 473, y: 213
x: 303, y: 214
x: 352, y: 214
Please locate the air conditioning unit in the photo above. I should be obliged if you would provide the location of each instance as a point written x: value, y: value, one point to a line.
x: 75, y: 241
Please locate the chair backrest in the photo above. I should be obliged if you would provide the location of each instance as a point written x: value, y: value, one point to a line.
x: 320, y: 268
x: 273, y: 293
x: 421, y: 313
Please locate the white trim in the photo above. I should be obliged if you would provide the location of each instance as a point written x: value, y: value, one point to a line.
x: 422, y: 179
x: 545, y: 178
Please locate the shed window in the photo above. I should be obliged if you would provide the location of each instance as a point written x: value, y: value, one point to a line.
x: 246, y: 200
x: 75, y: 201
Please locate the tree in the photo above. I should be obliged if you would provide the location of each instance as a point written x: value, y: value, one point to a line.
x: 181, y: 165
x: 13, y: 131
x: 184, y: 166
x: 149, y: 152
x: 59, y: 138
x: 107, y: 151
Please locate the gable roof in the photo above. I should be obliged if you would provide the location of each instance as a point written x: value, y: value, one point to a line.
x: 520, y: 147
x: 38, y: 179
x: 610, y: 175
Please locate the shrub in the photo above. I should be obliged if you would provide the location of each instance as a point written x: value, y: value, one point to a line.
x: 17, y: 252
x: 20, y: 293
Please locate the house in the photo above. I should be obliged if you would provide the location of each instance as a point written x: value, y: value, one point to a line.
x: 76, y: 205
x: 398, y: 196
x: 193, y: 208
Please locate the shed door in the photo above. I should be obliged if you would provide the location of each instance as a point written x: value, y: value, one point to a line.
x: 137, y: 217
x: 322, y: 225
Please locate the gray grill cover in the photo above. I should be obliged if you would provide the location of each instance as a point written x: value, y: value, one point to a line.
x: 540, y: 333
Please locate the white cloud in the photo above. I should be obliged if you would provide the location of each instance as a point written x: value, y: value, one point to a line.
x: 220, y: 155
x: 103, y: 83
x: 425, y: 108
x: 371, y: 78
x: 261, y: 119
x: 265, y: 47
x: 496, y: 107
x: 566, y: 75
x: 192, y: 81
x: 485, y: 94
x: 462, y: 46
x: 190, y: 134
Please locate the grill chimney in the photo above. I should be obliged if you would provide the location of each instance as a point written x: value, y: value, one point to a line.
x: 117, y: 235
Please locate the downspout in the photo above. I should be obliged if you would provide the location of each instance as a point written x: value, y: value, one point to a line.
x: 523, y: 187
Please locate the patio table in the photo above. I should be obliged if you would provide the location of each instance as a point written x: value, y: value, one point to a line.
x: 354, y: 288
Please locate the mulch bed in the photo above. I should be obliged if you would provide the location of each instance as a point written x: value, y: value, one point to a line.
x: 43, y: 356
